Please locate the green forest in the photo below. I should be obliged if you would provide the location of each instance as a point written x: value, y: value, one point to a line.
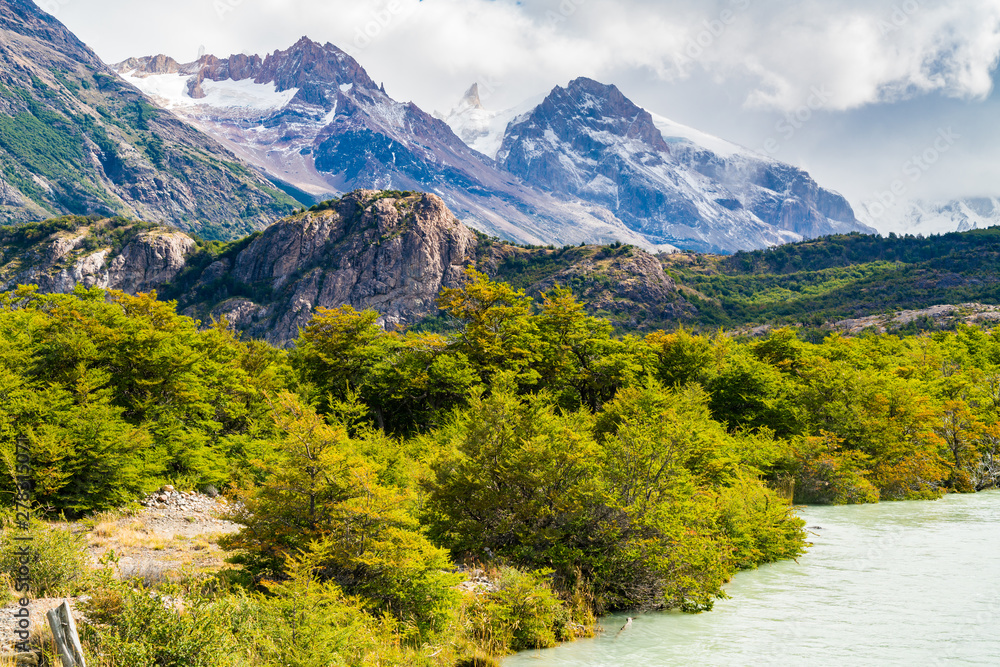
x: 835, y: 277
x: 586, y: 470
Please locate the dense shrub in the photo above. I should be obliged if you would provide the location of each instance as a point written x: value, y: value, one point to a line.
x: 523, y: 612
x: 57, y: 560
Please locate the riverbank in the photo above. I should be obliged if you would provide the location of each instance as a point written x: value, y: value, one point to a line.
x: 900, y: 583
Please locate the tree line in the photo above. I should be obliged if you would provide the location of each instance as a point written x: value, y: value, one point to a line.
x: 594, y: 471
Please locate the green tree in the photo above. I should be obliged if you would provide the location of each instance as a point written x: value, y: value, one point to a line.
x: 337, y: 351
x: 322, y: 496
x: 496, y: 330
x: 579, y: 362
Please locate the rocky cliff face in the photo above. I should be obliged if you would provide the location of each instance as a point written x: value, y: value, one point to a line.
x: 387, y: 254
x: 68, y: 258
x: 75, y: 139
x: 388, y: 251
x: 587, y: 140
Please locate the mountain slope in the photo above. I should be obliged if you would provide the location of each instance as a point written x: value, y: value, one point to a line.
x: 311, y: 116
x: 839, y: 277
x: 75, y: 139
x: 388, y: 251
x: 589, y: 141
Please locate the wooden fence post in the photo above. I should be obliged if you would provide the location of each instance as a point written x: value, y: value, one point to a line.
x: 64, y: 632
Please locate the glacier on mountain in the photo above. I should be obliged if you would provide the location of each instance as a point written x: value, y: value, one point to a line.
x: 171, y: 92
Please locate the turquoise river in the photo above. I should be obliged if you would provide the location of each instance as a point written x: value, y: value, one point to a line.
x: 897, y: 583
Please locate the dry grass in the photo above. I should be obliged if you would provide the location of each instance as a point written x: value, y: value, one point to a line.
x: 125, y: 535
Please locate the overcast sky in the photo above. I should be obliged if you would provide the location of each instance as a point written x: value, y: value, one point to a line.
x: 851, y: 90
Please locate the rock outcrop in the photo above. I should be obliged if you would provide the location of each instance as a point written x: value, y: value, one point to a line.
x: 391, y: 252
x: 149, y: 260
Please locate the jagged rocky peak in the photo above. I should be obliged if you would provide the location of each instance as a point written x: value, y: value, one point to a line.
x: 556, y: 144
x: 471, y: 97
x: 307, y: 67
x: 478, y: 127
x: 668, y: 182
x: 584, y: 114
x: 309, y: 63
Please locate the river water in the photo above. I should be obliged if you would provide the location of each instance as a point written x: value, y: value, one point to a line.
x: 896, y: 583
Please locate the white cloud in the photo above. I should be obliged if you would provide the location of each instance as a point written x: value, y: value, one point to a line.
x: 894, y: 70
x: 866, y: 52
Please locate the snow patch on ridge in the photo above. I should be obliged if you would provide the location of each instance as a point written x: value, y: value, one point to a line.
x: 673, y: 131
x: 171, y: 91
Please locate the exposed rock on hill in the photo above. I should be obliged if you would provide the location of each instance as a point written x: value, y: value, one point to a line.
x: 150, y: 260
x: 389, y: 254
x: 70, y: 257
x: 388, y: 251
x: 623, y: 283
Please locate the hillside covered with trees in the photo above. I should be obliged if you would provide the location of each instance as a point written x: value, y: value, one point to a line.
x: 838, y: 277
x: 589, y: 471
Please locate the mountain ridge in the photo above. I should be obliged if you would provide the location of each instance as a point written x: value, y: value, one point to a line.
x: 340, y: 133
x: 335, y: 130
x: 616, y: 154
x: 75, y: 139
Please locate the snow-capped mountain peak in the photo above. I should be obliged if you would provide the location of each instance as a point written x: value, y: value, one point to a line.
x: 582, y: 163
x: 480, y: 128
x: 312, y: 117
x: 922, y: 217
x: 673, y: 183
